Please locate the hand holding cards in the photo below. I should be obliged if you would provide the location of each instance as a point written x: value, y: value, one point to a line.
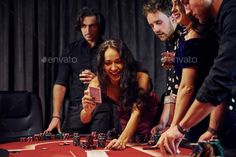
x: 95, y: 92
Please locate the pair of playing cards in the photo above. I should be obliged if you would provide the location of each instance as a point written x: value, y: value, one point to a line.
x: 95, y: 92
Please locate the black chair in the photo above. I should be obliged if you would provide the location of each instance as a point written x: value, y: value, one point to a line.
x: 20, y: 115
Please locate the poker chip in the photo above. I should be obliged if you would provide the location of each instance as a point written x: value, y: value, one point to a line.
x: 94, y: 134
x: 23, y: 139
x: 111, y: 134
x: 36, y: 137
x: 217, y: 148
x: 29, y: 139
x: 89, y: 139
x: 207, y: 148
x: 156, y: 137
x: 85, y: 145
x: 101, y: 143
x: 151, y: 142
x: 76, y: 140
x: 66, y: 136
x: 140, y: 138
x: 59, y: 136
x: 75, y: 134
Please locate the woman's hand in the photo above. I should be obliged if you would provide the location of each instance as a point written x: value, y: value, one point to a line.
x: 88, y: 107
x: 117, y: 144
x: 88, y: 102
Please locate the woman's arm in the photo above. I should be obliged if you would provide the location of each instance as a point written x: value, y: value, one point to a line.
x: 128, y: 132
x: 120, y: 143
x: 88, y: 103
x: 185, y: 94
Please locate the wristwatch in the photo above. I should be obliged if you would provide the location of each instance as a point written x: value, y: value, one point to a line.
x: 182, y: 130
x: 211, y: 130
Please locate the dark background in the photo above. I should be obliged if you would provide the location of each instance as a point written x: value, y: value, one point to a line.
x: 35, y: 31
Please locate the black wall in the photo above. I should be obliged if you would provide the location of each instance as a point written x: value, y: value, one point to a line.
x: 34, y: 30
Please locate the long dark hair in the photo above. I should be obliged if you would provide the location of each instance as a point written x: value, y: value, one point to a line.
x: 128, y: 83
x: 84, y: 12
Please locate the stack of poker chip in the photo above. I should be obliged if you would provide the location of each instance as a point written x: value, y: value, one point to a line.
x: 197, y: 150
x: 37, y: 137
x: 94, y: 135
x: 75, y: 134
x: 46, y: 136
x: 151, y: 141
x: 111, y: 134
x: 76, y: 140
x: 137, y: 138
x: 88, y: 143
x: 156, y: 137
x: 140, y: 138
x: 23, y: 139
x: 89, y: 139
x: 101, y: 140
x: 66, y: 136
x: 218, y: 149
x: 59, y: 136
x: 85, y: 145
x: 208, y: 149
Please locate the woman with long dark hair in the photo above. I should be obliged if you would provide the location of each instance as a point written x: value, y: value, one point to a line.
x: 121, y: 81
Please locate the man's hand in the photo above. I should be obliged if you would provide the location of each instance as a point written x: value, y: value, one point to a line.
x: 86, y: 76
x: 55, y: 123
x: 167, y: 59
x: 207, y: 136
x: 159, y: 128
x: 169, y: 141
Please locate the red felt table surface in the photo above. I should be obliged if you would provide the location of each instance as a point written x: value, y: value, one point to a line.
x: 51, y: 148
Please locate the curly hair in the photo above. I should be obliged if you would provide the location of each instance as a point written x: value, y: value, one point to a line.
x: 152, y: 6
x: 84, y: 12
x: 128, y: 83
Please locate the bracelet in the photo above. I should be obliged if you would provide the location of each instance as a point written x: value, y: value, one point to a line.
x: 182, y: 130
x: 211, y: 130
x: 58, y: 117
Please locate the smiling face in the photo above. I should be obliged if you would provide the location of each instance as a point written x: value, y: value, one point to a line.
x: 113, y: 65
x: 179, y: 13
x: 161, y: 25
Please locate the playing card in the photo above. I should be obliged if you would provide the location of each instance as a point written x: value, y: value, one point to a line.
x: 95, y: 92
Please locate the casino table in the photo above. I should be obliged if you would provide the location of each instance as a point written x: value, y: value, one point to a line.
x: 65, y: 148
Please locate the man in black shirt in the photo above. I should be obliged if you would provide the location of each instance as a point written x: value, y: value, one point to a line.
x: 221, y: 80
x: 74, y: 76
